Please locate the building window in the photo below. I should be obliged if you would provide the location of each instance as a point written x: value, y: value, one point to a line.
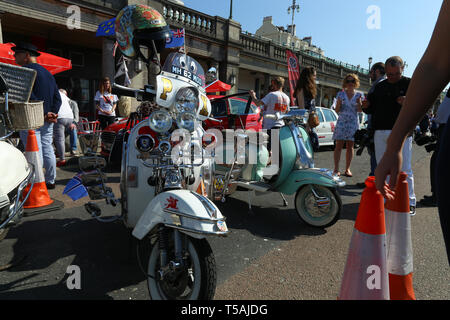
x: 55, y: 51
x: 77, y: 59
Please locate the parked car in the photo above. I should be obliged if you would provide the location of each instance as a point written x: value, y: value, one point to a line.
x: 234, y: 113
x: 328, y: 119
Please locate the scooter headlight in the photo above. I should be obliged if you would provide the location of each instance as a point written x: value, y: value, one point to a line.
x: 187, y: 120
x: 186, y: 100
x: 160, y: 121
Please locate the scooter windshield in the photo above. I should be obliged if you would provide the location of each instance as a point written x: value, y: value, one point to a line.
x: 185, y: 66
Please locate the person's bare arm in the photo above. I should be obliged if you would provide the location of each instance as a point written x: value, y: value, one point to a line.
x: 338, y: 105
x: 429, y: 79
x: 300, y: 99
x: 258, y: 102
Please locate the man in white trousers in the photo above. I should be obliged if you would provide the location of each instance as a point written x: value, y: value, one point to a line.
x: 384, y: 104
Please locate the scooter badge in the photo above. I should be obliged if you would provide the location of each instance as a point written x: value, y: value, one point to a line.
x: 171, y: 203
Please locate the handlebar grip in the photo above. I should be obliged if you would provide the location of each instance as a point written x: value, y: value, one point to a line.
x: 124, y: 91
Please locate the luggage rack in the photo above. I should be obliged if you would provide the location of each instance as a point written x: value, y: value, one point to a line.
x: 89, y: 135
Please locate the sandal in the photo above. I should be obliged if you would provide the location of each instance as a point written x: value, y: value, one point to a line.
x: 348, y: 174
x: 336, y: 173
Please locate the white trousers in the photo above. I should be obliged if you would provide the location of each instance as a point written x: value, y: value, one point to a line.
x: 380, y: 140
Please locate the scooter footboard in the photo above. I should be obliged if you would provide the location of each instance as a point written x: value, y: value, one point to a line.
x: 184, y: 210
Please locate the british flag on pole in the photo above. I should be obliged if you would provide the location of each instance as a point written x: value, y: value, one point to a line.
x: 176, y: 39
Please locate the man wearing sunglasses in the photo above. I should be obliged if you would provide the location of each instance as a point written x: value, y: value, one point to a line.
x: 44, y: 89
x: 384, y: 104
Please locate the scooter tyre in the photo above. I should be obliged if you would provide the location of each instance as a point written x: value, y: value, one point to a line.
x: 202, y: 258
x: 336, y: 205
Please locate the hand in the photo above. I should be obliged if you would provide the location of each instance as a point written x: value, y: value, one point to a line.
x: 359, y: 101
x: 252, y: 94
x: 390, y: 165
x: 400, y: 100
x: 73, y: 126
x: 51, y: 117
x: 365, y: 104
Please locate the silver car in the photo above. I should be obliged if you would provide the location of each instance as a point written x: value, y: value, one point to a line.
x: 328, y: 119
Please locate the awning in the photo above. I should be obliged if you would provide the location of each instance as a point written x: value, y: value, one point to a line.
x: 52, y: 63
x: 217, y: 86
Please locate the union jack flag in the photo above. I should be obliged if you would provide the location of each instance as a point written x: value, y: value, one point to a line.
x: 176, y: 39
x: 179, y: 33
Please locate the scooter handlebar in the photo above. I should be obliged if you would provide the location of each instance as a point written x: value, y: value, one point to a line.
x: 139, y: 94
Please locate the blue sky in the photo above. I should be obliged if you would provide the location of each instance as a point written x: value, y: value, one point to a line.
x: 340, y: 27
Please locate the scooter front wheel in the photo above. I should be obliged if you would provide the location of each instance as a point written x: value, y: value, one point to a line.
x: 318, y: 206
x: 195, y: 281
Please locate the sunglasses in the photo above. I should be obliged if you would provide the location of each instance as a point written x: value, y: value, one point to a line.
x: 350, y: 81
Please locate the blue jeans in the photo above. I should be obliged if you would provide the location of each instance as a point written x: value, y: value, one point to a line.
x: 44, y: 137
x: 59, y: 135
x: 73, y: 139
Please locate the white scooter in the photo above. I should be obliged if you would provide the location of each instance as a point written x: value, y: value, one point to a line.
x: 164, y: 186
x: 15, y: 172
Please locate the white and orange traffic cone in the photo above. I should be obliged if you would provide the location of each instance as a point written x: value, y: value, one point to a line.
x: 201, y: 189
x: 399, y: 243
x: 365, y: 275
x: 39, y: 196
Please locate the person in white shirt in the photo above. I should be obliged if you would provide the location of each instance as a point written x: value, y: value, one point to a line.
x: 275, y: 102
x: 106, y: 103
x: 65, y: 121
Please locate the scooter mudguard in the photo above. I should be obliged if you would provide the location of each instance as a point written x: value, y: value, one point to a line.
x: 298, y: 178
x: 184, y: 210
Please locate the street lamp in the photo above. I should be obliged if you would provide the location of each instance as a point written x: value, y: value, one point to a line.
x: 294, y: 7
x: 231, y: 10
x: 370, y: 63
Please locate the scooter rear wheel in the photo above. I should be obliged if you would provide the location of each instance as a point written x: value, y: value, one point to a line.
x: 315, y: 212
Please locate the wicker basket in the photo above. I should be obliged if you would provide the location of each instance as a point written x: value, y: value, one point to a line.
x: 26, y: 115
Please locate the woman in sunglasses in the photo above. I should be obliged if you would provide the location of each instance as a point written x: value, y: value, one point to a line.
x: 349, y: 103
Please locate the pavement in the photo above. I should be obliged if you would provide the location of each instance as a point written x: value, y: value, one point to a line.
x: 269, y: 255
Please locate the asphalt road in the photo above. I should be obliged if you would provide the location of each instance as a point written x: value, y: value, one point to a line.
x: 268, y: 255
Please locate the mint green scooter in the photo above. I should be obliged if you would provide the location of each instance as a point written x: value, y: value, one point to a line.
x: 317, y: 200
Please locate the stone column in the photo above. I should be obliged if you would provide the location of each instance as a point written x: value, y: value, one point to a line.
x: 108, y: 64
x: 232, y: 54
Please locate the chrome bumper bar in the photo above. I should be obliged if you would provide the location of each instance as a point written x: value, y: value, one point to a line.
x: 17, y: 206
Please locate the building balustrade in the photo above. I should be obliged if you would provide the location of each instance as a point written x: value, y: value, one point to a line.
x: 190, y: 19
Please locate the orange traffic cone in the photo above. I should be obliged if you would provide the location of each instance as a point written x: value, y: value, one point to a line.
x: 399, y: 244
x: 39, y: 196
x: 202, y: 189
x: 365, y: 275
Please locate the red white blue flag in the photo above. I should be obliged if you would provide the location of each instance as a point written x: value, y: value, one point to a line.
x: 294, y: 72
x: 176, y: 39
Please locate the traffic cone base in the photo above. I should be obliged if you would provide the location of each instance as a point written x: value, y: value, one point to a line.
x: 400, y: 288
x: 39, y: 196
